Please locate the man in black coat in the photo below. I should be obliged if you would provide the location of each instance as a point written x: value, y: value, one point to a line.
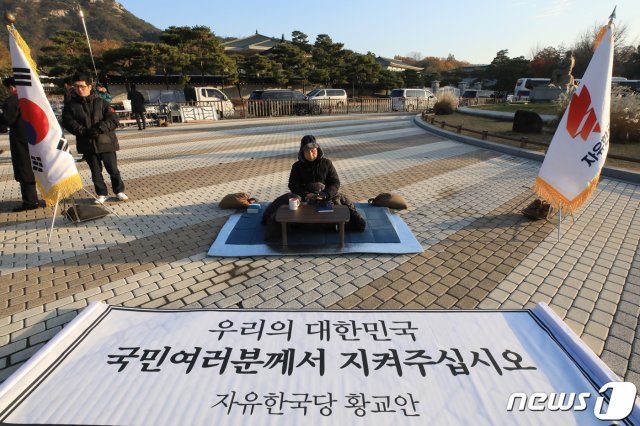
x: 314, y: 177
x: 20, y: 157
x: 137, y: 107
x: 92, y: 121
x: 312, y: 167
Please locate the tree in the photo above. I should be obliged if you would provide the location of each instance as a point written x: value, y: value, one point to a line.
x: 132, y: 59
x: 412, y: 78
x: 361, y: 69
x: 507, y: 70
x: 293, y: 60
x: 205, y: 52
x: 327, y: 59
x: 256, y: 68
x: 583, y: 49
x: 389, y: 80
x: 67, y: 53
x: 301, y: 40
x: 627, y: 62
x: 544, y: 62
x: 168, y: 59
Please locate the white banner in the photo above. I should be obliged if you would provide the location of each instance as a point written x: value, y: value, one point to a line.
x: 52, y: 163
x: 120, y: 366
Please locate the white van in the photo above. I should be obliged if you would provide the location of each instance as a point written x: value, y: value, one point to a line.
x: 328, y: 97
x: 525, y: 85
x: 412, y: 99
x: 201, y: 96
x: 210, y: 96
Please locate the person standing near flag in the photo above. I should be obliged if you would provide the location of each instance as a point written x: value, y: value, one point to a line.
x: 91, y: 120
x: 20, y: 157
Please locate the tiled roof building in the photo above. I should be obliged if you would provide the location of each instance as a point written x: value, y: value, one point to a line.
x: 251, y: 45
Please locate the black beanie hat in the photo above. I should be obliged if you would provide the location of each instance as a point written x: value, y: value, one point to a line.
x: 308, y: 142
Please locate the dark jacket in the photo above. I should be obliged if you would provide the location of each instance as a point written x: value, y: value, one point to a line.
x: 18, y: 141
x: 137, y: 101
x: 305, y: 172
x: 80, y: 115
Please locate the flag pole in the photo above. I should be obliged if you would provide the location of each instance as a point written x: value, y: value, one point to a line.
x: 86, y: 33
x: 53, y: 220
x: 559, y: 221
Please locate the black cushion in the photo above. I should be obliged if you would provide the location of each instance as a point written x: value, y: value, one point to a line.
x: 84, y: 212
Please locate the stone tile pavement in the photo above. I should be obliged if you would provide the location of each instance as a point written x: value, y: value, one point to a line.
x: 480, y: 253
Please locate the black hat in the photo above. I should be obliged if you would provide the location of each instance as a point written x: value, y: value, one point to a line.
x: 6, y: 82
x: 309, y: 142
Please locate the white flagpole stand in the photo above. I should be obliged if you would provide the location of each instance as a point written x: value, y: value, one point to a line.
x: 53, y: 219
x: 559, y: 221
x: 55, y: 211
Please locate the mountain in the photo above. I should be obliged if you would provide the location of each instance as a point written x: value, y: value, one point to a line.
x: 37, y: 20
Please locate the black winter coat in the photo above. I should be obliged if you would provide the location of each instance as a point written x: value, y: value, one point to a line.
x: 304, y: 172
x: 137, y: 101
x: 81, y: 114
x: 20, y: 156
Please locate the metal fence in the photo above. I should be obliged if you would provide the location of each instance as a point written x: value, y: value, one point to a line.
x: 179, y: 111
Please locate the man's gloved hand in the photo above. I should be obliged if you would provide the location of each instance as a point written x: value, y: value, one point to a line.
x: 91, y: 133
x: 102, y: 127
x: 316, y: 187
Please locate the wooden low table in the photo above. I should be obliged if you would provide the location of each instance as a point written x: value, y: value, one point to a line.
x: 308, y: 214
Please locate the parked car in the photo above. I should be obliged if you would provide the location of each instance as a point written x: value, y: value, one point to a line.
x: 328, y: 97
x: 210, y: 96
x: 201, y: 96
x: 274, y: 102
x: 474, y: 94
x: 412, y: 99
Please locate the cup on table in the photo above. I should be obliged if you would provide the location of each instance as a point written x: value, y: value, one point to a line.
x: 294, y: 203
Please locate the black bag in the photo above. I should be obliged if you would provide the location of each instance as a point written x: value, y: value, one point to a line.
x: 239, y: 200
x: 537, y: 210
x: 84, y: 212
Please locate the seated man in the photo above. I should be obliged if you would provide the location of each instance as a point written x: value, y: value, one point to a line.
x: 312, y: 178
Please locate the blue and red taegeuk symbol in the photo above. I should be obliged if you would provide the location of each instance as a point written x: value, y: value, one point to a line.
x: 35, y: 120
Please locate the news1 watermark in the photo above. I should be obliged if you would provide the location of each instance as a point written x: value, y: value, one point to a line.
x: 620, y: 405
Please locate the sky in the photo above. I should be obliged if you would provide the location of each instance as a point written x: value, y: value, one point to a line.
x: 472, y: 30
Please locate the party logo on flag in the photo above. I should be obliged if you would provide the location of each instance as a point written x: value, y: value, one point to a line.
x: 582, y: 118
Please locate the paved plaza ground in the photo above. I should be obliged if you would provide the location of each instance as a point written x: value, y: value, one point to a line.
x: 465, y: 202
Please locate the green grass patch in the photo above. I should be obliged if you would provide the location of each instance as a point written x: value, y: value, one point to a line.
x: 503, y: 128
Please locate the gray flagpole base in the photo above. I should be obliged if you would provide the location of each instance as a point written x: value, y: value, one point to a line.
x: 102, y: 204
x: 53, y: 219
x: 559, y: 221
x: 55, y: 212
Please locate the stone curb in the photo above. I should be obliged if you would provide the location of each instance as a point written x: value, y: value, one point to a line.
x: 612, y: 172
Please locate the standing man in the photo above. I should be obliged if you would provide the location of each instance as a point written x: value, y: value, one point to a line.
x: 91, y: 120
x: 20, y: 156
x: 137, y: 107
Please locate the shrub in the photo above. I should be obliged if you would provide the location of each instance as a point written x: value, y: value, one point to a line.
x: 625, y: 113
x: 447, y: 104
